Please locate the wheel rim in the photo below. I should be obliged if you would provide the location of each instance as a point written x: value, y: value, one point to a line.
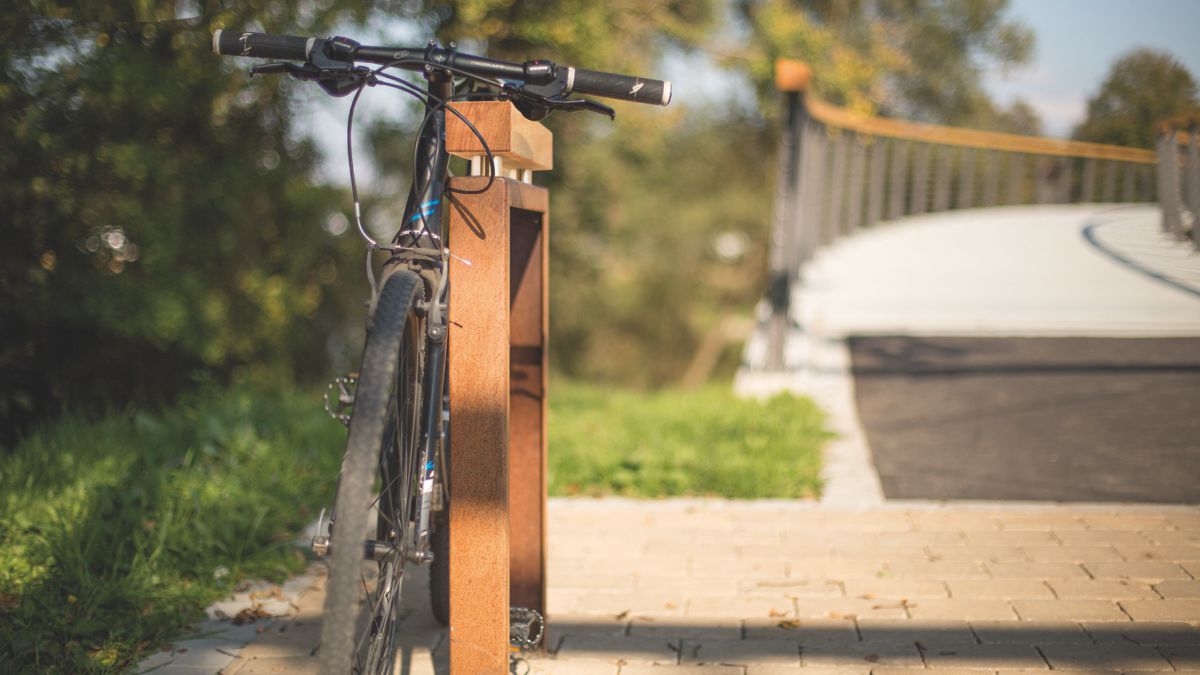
x: 394, y: 505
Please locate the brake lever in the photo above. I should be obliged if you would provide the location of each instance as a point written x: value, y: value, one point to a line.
x: 536, y: 106
x: 274, y: 68
x: 335, y: 82
x: 577, y: 104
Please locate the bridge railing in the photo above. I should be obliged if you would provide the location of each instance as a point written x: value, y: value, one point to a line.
x: 840, y: 171
x: 1178, y: 154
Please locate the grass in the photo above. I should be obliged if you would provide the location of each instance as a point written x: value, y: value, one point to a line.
x: 114, y: 535
x: 674, y: 443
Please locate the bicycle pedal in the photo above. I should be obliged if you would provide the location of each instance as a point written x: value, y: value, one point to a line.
x: 525, y: 628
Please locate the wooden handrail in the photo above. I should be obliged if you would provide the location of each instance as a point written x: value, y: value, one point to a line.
x: 796, y: 76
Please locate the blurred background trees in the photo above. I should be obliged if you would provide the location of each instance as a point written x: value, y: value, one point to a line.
x: 166, y: 224
x: 162, y: 228
x: 1142, y: 89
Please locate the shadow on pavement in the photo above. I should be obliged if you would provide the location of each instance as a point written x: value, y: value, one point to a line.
x: 1103, y: 646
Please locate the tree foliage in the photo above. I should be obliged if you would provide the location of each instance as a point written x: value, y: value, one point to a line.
x: 1142, y: 89
x: 166, y: 225
x: 917, y: 59
x: 161, y: 221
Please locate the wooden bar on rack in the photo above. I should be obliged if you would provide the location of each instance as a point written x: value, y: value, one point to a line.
x: 497, y: 372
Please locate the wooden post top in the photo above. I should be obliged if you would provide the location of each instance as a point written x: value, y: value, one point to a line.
x: 792, y: 75
x: 523, y: 144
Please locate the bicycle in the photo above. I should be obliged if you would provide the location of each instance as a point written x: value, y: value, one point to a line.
x: 393, y: 468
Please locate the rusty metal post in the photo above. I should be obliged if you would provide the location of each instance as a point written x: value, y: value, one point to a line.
x: 878, y: 172
x: 898, y: 184
x: 942, y: 178
x: 920, y: 182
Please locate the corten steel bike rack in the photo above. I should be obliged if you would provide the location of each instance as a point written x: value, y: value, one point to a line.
x: 497, y: 371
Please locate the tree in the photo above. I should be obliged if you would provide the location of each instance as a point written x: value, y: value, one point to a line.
x: 1142, y: 88
x: 917, y: 59
x: 162, y: 224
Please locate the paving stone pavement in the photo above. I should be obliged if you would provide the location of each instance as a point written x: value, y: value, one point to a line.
x: 712, y: 587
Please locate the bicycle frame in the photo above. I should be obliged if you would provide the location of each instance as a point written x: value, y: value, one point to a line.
x: 422, y: 228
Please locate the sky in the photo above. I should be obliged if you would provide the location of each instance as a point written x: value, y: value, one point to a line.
x: 1075, y: 42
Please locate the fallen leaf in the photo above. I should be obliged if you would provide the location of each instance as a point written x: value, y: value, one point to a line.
x: 250, y: 615
x: 776, y: 613
x: 274, y: 592
x: 788, y: 623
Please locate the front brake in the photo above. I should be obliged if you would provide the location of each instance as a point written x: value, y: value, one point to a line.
x: 338, y: 81
x: 537, y: 106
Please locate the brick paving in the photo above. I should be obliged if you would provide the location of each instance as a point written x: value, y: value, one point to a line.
x: 712, y: 587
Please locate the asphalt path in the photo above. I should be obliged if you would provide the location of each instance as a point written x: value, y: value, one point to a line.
x: 1032, y: 418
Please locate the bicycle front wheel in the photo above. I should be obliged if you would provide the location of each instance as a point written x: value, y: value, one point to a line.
x: 378, y: 489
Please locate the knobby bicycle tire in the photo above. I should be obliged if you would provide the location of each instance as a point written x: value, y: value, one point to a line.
x: 375, y: 488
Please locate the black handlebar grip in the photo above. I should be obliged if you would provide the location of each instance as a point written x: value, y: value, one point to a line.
x: 624, y: 87
x: 261, y: 45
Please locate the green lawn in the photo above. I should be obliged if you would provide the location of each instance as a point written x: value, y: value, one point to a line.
x: 672, y: 443
x: 114, y: 534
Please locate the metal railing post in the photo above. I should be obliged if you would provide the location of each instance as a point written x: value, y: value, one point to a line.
x: 783, y: 256
x: 1043, y: 188
x: 1192, y: 176
x: 1168, y: 183
x: 966, y: 179
x: 941, y: 185
x: 814, y: 197
x: 1109, y: 192
x: 897, y: 186
x: 920, y: 182
x: 1066, y: 171
x: 1088, y: 188
x: 991, y: 178
x: 1129, y: 184
x: 1016, y: 178
x: 878, y: 173
x: 858, y: 177
x: 833, y: 223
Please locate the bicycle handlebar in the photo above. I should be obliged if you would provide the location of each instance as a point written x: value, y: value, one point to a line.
x: 624, y: 87
x: 294, y: 48
x: 261, y: 45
